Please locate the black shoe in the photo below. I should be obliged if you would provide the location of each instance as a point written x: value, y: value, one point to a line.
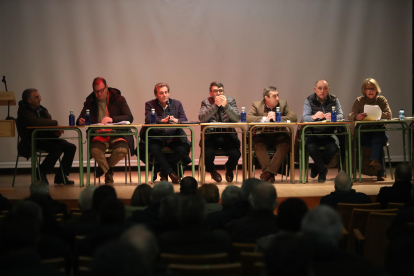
x: 314, y: 172
x: 43, y: 177
x: 59, y: 180
x: 229, y: 176
x: 322, y: 175
x: 215, y: 176
x: 99, y: 172
x: 109, y: 177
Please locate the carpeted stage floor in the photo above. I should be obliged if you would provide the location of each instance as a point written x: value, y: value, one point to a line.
x: 310, y: 192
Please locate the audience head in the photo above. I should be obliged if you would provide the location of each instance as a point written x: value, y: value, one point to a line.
x: 403, y: 172
x: 85, y: 199
x: 118, y: 258
x: 209, y: 192
x: 141, y: 195
x: 161, y: 190
x: 290, y: 214
x: 188, y: 186
x: 343, y: 183
x: 169, y: 209
x: 191, y: 211
x: 247, y: 187
x: 143, y: 241
x: 372, y: 84
x: 100, y: 194
x: 229, y: 196
x: 111, y: 212
x: 322, y: 224
x: 263, y: 197
x: 39, y: 187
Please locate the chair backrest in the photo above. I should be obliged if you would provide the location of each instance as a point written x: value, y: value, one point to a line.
x: 359, y: 221
x: 220, y: 258
x: 248, y: 260
x: 242, y: 247
x: 58, y: 263
x: 376, y: 241
x: 345, y: 211
x: 395, y: 205
x: 233, y: 269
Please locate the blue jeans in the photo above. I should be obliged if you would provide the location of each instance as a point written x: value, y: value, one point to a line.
x: 376, y: 141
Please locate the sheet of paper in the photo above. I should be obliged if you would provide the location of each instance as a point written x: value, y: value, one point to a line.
x: 373, y: 111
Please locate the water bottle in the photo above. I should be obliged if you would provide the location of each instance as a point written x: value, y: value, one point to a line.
x: 87, y: 118
x: 71, y: 118
x: 333, y: 114
x: 278, y: 115
x: 153, y: 117
x: 243, y: 115
x: 401, y: 115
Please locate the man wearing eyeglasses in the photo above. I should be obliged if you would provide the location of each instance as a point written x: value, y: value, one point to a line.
x: 106, y: 105
x: 32, y: 113
x: 220, y: 108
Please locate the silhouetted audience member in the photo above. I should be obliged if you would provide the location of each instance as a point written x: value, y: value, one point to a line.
x: 404, y: 216
x: 116, y: 258
x: 344, y: 193
x: 188, y: 186
x: 168, y: 219
x: 400, y: 191
x: 322, y: 231
x: 5, y: 204
x: 87, y: 222
x: 111, y: 218
x: 218, y: 220
x: 100, y: 194
x: 400, y: 255
x: 151, y: 213
x: 141, y: 199
x: 145, y: 243
x: 259, y: 222
x: 42, y: 187
x: 211, y: 195
x: 19, y: 237
x: 289, y: 219
x: 286, y: 255
x: 194, y: 237
x: 230, y: 196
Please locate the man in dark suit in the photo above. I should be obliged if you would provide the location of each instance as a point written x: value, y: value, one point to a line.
x: 222, y: 109
x: 167, y: 111
x: 400, y: 191
x: 32, y: 114
x: 344, y: 193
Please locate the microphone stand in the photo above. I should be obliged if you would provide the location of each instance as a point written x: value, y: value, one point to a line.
x: 8, y: 104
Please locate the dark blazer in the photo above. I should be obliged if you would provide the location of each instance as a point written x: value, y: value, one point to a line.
x: 345, y: 197
x: 27, y: 116
x: 176, y: 109
x: 399, y: 192
x: 118, y: 110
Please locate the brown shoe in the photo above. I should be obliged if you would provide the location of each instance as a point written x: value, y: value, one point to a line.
x: 215, y: 176
x: 380, y: 178
x: 375, y: 164
x: 109, y: 177
x: 175, y: 179
x: 267, y: 176
x: 229, y: 176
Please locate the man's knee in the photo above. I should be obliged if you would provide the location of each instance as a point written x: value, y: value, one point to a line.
x: 259, y: 147
x: 120, y: 151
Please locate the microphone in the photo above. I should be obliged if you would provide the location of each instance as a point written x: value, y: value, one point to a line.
x: 169, y: 109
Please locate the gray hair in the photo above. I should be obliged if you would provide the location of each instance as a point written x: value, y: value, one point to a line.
x: 343, y: 183
x: 85, y: 198
x: 266, y: 91
x: 263, y: 197
x: 161, y: 190
x: 39, y: 187
x: 229, y: 196
x: 322, y: 224
x: 247, y: 187
x: 143, y: 241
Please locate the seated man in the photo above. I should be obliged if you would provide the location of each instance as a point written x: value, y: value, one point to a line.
x: 106, y: 105
x: 344, y: 193
x: 318, y: 107
x: 168, y: 111
x: 261, y: 141
x: 400, y: 191
x: 220, y: 108
x: 32, y: 114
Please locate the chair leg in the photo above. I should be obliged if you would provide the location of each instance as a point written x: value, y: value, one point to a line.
x: 237, y: 170
x: 129, y: 165
x: 340, y: 160
x: 307, y: 165
x: 15, y: 169
x: 94, y: 173
x: 126, y: 171
x: 389, y: 162
x: 153, y: 170
x: 61, y: 170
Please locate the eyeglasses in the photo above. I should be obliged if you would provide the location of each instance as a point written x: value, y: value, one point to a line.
x: 99, y: 91
x: 218, y: 91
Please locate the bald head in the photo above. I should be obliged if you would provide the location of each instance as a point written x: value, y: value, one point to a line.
x: 263, y: 197
x: 343, y: 182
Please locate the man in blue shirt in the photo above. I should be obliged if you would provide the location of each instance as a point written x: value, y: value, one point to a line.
x: 318, y: 107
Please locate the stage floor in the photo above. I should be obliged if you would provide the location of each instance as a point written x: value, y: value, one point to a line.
x: 310, y: 192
